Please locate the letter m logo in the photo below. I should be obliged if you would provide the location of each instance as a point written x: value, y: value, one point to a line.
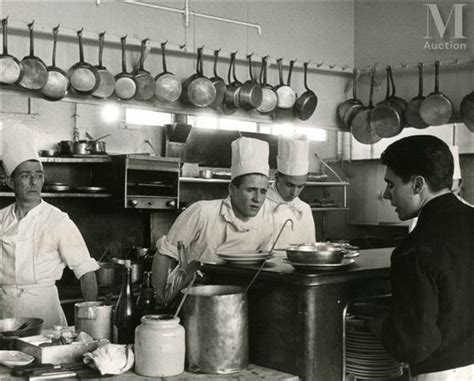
x: 441, y: 26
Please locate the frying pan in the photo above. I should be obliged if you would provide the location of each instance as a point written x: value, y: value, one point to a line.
x: 360, y: 126
x: 436, y: 109
x: 35, y: 72
x: 57, y: 84
x: 107, y: 82
x: 218, y: 82
x: 467, y: 111
x: 199, y: 90
x: 10, y: 72
x: 306, y: 103
x: 168, y: 87
x: 286, y: 95
x: 412, y: 112
x: 250, y: 94
x: 125, y: 84
x: 83, y: 76
x: 346, y: 111
x: 232, y: 89
x: 145, y: 82
x: 269, y: 95
x: 385, y: 118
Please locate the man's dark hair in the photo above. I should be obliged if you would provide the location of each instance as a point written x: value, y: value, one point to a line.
x: 422, y: 155
x: 237, y: 181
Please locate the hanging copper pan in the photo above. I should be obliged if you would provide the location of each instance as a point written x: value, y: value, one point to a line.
x: 306, y: 103
x: 360, y: 126
x: 199, y: 91
x: 218, y: 82
x: 35, y: 72
x: 168, y: 86
x: 145, y: 82
x: 437, y: 108
x: 412, y: 112
x: 269, y: 95
x: 387, y: 117
x: 286, y: 95
x: 57, y: 84
x: 348, y: 109
x: 107, y: 81
x: 125, y: 84
x: 232, y: 89
x: 83, y: 76
x: 250, y: 95
x: 10, y: 72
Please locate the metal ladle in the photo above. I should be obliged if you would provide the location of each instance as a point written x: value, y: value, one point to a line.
x: 273, y: 246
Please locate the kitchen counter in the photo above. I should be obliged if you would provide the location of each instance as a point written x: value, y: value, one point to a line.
x: 297, y: 320
x: 253, y: 372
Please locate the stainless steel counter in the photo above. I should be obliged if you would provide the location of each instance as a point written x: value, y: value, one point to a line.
x: 297, y: 320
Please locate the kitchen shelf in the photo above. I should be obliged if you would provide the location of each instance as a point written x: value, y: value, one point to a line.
x: 63, y: 195
x: 329, y: 209
x: 75, y: 159
x: 309, y: 183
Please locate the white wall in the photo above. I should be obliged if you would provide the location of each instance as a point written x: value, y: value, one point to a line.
x: 317, y: 30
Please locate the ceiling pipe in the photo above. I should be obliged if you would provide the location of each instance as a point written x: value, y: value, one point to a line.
x: 187, y: 13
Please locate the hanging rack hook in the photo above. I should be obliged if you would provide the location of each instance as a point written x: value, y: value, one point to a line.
x: 183, y: 46
x: 332, y: 66
x: 319, y: 64
x: 30, y: 25
x: 249, y: 55
x: 344, y: 67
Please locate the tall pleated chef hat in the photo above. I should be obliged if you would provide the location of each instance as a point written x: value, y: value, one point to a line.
x: 292, y: 158
x: 249, y: 156
x: 18, y: 145
x: 457, y: 167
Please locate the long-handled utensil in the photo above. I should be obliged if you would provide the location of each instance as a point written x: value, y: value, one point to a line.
x: 271, y: 250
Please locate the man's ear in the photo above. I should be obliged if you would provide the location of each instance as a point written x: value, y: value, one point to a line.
x: 419, y: 184
x: 9, y: 182
x: 231, y: 189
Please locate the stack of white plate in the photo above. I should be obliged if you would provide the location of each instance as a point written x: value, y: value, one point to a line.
x: 244, y: 257
x: 366, y: 357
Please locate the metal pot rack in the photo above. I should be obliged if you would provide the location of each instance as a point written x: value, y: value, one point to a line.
x: 17, y: 26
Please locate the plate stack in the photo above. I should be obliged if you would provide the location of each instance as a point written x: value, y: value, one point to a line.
x: 244, y: 258
x: 366, y: 358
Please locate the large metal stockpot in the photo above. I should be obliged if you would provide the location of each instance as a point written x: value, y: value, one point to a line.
x: 94, y: 318
x: 216, y: 322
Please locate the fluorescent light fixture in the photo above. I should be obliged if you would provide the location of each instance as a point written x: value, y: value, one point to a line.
x: 313, y: 134
x: 208, y: 122
x: 111, y: 113
x: 237, y: 125
x: 146, y: 117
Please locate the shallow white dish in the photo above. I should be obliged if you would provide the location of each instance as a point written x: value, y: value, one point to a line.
x: 311, y: 267
x: 245, y: 259
x: 15, y: 358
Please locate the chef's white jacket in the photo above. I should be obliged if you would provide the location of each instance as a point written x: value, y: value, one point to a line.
x: 34, y: 252
x: 298, y: 211
x: 210, y: 226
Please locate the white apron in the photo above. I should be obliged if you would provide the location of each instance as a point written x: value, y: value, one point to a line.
x: 28, y: 297
x: 465, y: 373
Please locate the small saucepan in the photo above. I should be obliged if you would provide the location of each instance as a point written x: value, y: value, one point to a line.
x: 315, y: 254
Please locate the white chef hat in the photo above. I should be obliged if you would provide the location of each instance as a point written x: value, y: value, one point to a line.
x: 249, y: 156
x: 17, y: 146
x: 292, y: 158
x: 457, y: 168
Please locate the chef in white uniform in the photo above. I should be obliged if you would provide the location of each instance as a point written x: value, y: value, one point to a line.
x: 37, y: 239
x: 457, y: 182
x: 282, y: 196
x: 236, y: 223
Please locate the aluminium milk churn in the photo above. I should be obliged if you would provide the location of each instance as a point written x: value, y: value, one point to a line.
x: 159, y: 346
